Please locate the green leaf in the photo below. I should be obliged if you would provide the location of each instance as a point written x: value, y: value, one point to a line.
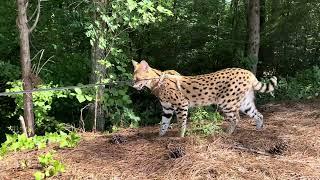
x: 38, y: 175
x: 81, y: 98
x: 131, y: 5
x: 164, y: 10
x: 88, y: 98
x: 63, y: 143
x: 78, y: 90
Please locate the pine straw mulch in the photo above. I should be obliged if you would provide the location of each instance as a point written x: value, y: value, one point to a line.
x: 288, y: 148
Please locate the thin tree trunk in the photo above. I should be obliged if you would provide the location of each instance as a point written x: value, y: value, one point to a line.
x: 22, y: 23
x: 97, y: 74
x: 262, y: 43
x: 254, y: 32
x: 235, y: 31
x: 273, y: 41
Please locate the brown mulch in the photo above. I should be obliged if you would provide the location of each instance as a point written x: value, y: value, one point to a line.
x: 288, y: 148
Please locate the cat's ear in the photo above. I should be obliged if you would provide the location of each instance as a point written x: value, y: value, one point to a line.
x: 144, y: 65
x: 134, y: 63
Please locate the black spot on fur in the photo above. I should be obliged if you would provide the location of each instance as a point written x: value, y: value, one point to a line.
x: 167, y: 115
x: 247, y: 110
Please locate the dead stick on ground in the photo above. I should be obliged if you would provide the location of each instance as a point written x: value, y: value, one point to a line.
x: 251, y: 150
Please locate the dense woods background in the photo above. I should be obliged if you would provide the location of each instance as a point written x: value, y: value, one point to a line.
x: 80, y: 42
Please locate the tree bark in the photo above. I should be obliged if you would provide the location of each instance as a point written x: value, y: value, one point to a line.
x: 22, y: 23
x: 97, y: 74
x: 262, y: 46
x: 253, y: 32
x: 235, y: 19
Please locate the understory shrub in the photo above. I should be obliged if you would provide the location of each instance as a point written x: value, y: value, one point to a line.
x: 304, y: 85
x: 204, y: 121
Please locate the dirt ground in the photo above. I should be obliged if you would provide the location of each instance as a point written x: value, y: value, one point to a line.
x: 288, y: 148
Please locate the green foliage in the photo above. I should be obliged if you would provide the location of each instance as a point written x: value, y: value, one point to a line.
x: 246, y: 62
x: 18, y: 142
x: 205, y: 121
x: 121, y: 17
x: 50, y: 166
x: 81, y: 95
x: 9, y: 71
x: 305, y: 85
x: 42, y: 105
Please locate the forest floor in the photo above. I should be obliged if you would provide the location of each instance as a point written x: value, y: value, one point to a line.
x: 288, y: 148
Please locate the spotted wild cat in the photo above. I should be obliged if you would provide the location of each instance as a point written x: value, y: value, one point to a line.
x: 231, y: 89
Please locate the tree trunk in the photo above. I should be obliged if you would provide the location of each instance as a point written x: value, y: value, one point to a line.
x: 97, y: 74
x: 235, y: 30
x: 262, y: 48
x: 22, y: 23
x: 273, y: 41
x: 253, y: 32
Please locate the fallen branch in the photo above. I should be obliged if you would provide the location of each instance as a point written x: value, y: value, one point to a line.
x: 251, y: 150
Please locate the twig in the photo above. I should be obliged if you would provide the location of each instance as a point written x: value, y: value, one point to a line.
x: 252, y: 150
x: 23, y: 125
x: 94, y: 129
x: 81, y: 117
x: 37, y: 18
x: 48, y: 60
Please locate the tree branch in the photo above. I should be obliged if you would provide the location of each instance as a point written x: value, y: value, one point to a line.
x: 37, y: 18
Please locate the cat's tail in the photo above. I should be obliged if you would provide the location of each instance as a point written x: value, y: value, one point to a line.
x: 265, y: 87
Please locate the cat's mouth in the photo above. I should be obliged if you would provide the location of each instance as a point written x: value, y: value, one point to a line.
x: 139, y: 84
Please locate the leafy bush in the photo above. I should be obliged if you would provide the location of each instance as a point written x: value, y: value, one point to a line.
x: 8, y: 71
x: 304, y: 85
x: 18, y: 142
x: 205, y: 121
x: 122, y: 18
x: 41, y: 106
x: 50, y: 166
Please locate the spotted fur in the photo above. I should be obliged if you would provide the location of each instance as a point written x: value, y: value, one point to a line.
x: 231, y: 89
